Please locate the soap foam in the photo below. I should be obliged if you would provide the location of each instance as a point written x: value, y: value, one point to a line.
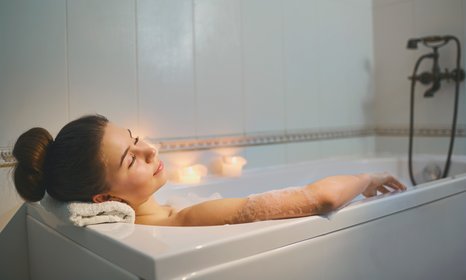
x: 277, y: 204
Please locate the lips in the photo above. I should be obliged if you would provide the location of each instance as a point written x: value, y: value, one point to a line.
x: 159, y: 168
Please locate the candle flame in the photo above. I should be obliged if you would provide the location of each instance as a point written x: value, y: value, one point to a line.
x: 234, y: 160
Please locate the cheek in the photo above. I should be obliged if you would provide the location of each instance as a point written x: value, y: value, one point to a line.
x: 134, y: 183
x: 139, y: 177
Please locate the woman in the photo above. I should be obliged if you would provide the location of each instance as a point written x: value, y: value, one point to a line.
x: 92, y: 159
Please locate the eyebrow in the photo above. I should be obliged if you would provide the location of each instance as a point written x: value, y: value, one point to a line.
x: 126, y: 150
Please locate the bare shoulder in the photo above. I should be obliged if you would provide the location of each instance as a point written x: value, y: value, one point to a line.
x: 208, y: 213
x: 165, y: 217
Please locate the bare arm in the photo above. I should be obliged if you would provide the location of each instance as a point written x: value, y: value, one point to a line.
x: 317, y: 198
x: 336, y: 191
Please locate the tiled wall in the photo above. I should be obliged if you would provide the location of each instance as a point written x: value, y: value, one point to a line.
x: 186, y: 68
x: 395, y: 21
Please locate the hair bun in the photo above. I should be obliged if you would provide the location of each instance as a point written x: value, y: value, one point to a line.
x: 30, y: 151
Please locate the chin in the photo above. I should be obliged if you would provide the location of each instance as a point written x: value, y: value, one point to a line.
x: 161, y: 181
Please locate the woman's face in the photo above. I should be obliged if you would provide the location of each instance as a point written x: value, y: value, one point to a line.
x: 134, y: 171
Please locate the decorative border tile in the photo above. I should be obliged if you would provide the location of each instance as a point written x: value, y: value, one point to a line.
x: 206, y: 143
x: 6, y: 158
x: 422, y: 132
x: 299, y: 136
x: 258, y: 139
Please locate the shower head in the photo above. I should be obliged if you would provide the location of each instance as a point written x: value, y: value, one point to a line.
x: 429, y: 41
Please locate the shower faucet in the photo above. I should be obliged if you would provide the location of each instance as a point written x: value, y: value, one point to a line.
x: 435, y: 76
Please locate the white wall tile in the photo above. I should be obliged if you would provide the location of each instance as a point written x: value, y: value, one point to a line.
x: 433, y: 17
x: 328, y: 52
x: 165, y: 62
x: 347, y: 147
x: 391, y: 145
x: 345, y: 48
x: 364, y: 146
x: 421, y: 145
x: 33, y: 89
x: 360, y: 67
x: 333, y: 148
x: 263, y: 65
x: 381, y: 3
x: 335, y: 52
x: 460, y: 146
x: 356, y: 3
x: 267, y: 155
x: 431, y: 145
x: 102, y: 59
x: 302, y: 65
x: 303, y: 151
x: 393, y: 26
x: 218, y: 82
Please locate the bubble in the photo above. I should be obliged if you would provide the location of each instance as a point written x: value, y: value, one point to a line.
x: 277, y: 204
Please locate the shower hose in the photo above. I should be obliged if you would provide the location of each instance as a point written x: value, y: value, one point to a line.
x: 455, y: 113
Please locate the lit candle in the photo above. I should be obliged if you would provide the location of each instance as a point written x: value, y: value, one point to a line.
x: 233, y: 166
x: 191, y: 174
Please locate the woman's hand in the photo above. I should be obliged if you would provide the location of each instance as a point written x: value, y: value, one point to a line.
x: 382, y: 182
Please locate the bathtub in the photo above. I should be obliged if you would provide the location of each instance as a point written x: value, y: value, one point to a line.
x: 416, y: 234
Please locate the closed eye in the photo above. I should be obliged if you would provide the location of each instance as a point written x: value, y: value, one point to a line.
x: 133, y: 159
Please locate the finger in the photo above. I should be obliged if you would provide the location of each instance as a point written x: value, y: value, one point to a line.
x: 395, y: 186
x: 392, y: 185
x: 403, y: 186
x: 370, y: 193
x: 398, y: 184
x: 383, y: 189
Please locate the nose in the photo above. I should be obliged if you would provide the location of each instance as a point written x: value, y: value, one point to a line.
x: 151, y: 154
x: 147, y: 151
x: 155, y: 147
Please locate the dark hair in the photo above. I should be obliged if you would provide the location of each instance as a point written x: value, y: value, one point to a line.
x: 70, y: 168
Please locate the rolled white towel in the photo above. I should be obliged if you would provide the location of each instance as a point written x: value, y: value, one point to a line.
x: 88, y: 213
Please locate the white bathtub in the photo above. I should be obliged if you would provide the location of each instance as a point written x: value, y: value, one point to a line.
x: 417, y: 234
